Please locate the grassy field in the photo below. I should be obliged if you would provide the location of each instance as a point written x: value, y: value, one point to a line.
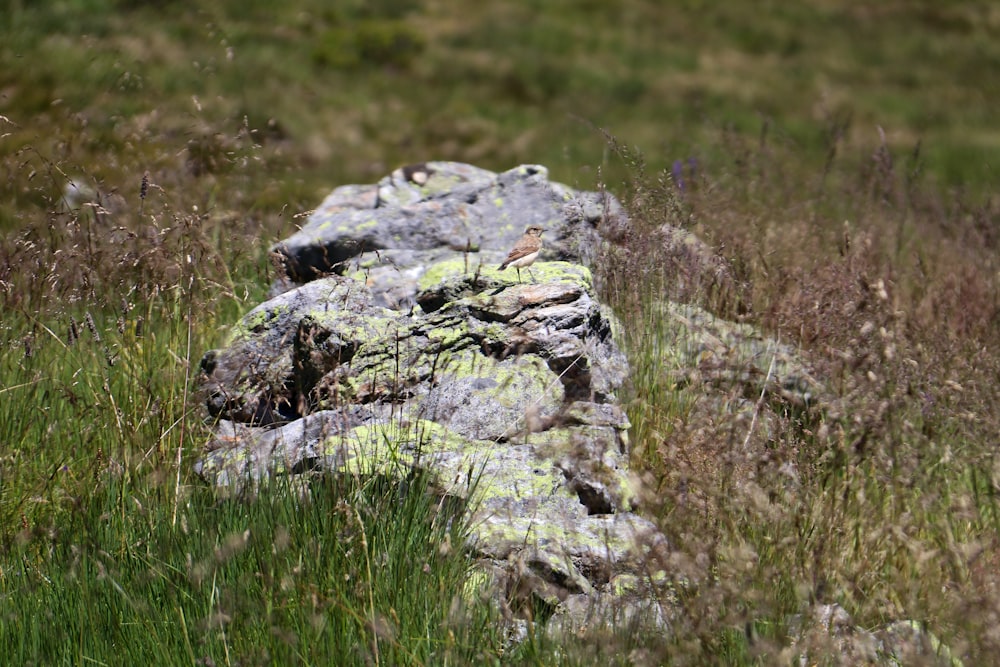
x: 841, y: 157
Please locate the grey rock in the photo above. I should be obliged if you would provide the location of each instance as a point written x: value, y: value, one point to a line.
x: 253, y: 452
x: 485, y: 399
x: 394, y: 344
x: 911, y: 643
x: 437, y: 206
x: 248, y: 380
x: 698, y: 347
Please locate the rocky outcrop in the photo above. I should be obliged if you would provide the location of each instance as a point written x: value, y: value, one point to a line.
x: 394, y: 344
x: 698, y: 348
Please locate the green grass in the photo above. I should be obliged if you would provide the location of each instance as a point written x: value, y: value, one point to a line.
x: 844, y: 157
x: 304, y: 574
x: 354, y: 91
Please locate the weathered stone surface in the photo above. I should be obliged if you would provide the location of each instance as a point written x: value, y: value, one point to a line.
x: 494, y: 367
x: 395, y: 343
x: 698, y: 347
x: 247, y: 381
x: 421, y: 213
x: 694, y: 267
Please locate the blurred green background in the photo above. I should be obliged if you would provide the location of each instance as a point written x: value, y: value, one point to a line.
x: 346, y: 91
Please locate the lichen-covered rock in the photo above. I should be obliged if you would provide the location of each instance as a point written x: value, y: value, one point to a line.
x: 393, y: 344
x: 393, y: 231
x: 396, y: 345
x: 831, y: 636
x: 247, y: 381
x: 697, y: 346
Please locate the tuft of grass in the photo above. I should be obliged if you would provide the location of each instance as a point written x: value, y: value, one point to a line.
x: 309, y: 572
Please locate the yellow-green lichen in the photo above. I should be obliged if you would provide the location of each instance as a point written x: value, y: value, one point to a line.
x: 604, y: 462
x: 349, y: 227
x: 390, y: 448
x: 513, y: 480
x: 547, y: 272
x: 356, y: 327
x: 438, y: 272
x: 361, y: 276
x: 459, y: 464
x: 256, y: 319
x: 445, y: 337
x: 632, y: 584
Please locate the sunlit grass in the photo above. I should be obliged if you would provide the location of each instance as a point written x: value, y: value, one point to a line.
x: 295, y: 574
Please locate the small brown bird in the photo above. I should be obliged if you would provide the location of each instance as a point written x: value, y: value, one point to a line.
x: 525, y: 251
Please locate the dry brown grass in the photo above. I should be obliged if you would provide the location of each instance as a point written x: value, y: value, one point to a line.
x: 883, y: 500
